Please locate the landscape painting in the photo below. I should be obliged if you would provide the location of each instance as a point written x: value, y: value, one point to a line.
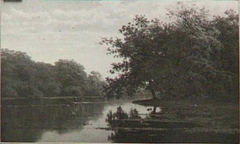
x: 119, y: 71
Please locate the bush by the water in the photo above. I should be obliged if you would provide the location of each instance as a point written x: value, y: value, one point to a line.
x: 121, y: 114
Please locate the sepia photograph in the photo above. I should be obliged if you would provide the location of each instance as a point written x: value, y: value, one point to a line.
x: 120, y: 71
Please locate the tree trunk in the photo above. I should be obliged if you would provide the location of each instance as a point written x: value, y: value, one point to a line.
x: 154, y: 109
x: 152, y: 90
x: 153, y: 95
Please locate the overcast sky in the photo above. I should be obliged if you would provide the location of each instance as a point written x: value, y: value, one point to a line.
x: 48, y: 31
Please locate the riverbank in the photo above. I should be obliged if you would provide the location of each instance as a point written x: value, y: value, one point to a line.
x: 213, y: 116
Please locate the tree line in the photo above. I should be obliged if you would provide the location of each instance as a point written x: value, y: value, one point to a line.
x: 23, y: 77
x: 194, y: 55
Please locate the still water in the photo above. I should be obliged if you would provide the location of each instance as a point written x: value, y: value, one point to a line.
x: 66, y: 123
x: 86, y: 122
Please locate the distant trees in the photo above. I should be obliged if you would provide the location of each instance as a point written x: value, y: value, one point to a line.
x: 193, y: 56
x: 72, y: 77
x: 95, y: 83
x: 22, y: 77
x: 46, y: 79
x: 18, y: 75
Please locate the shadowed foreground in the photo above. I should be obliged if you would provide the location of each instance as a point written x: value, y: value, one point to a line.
x: 178, y: 122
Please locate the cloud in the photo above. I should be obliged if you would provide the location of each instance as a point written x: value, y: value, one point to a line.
x: 48, y: 31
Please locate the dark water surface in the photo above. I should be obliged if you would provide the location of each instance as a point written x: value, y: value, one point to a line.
x: 64, y: 123
x: 86, y: 122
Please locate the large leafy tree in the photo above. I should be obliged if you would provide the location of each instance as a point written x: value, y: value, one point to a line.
x: 191, y: 43
x: 227, y: 59
x: 176, y: 59
x: 140, y: 50
x: 228, y: 25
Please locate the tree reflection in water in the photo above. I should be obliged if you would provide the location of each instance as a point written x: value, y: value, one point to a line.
x: 28, y: 123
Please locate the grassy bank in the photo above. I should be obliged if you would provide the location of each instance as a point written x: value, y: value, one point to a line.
x: 213, y: 116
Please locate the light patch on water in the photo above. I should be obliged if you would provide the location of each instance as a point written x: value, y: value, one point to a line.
x: 84, y: 135
x: 89, y: 132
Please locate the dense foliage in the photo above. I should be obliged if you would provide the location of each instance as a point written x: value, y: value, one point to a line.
x: 193, y: 56
x: 22, y: 77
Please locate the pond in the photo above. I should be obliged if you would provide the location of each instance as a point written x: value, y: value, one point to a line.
x: 93, y: 130
x: 88, y: 123
x: 75, y: 123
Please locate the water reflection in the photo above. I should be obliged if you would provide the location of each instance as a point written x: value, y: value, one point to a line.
x: 95, y: 130
x: 28, y: 124
x: 87, y: 123
x: 63, y: 123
